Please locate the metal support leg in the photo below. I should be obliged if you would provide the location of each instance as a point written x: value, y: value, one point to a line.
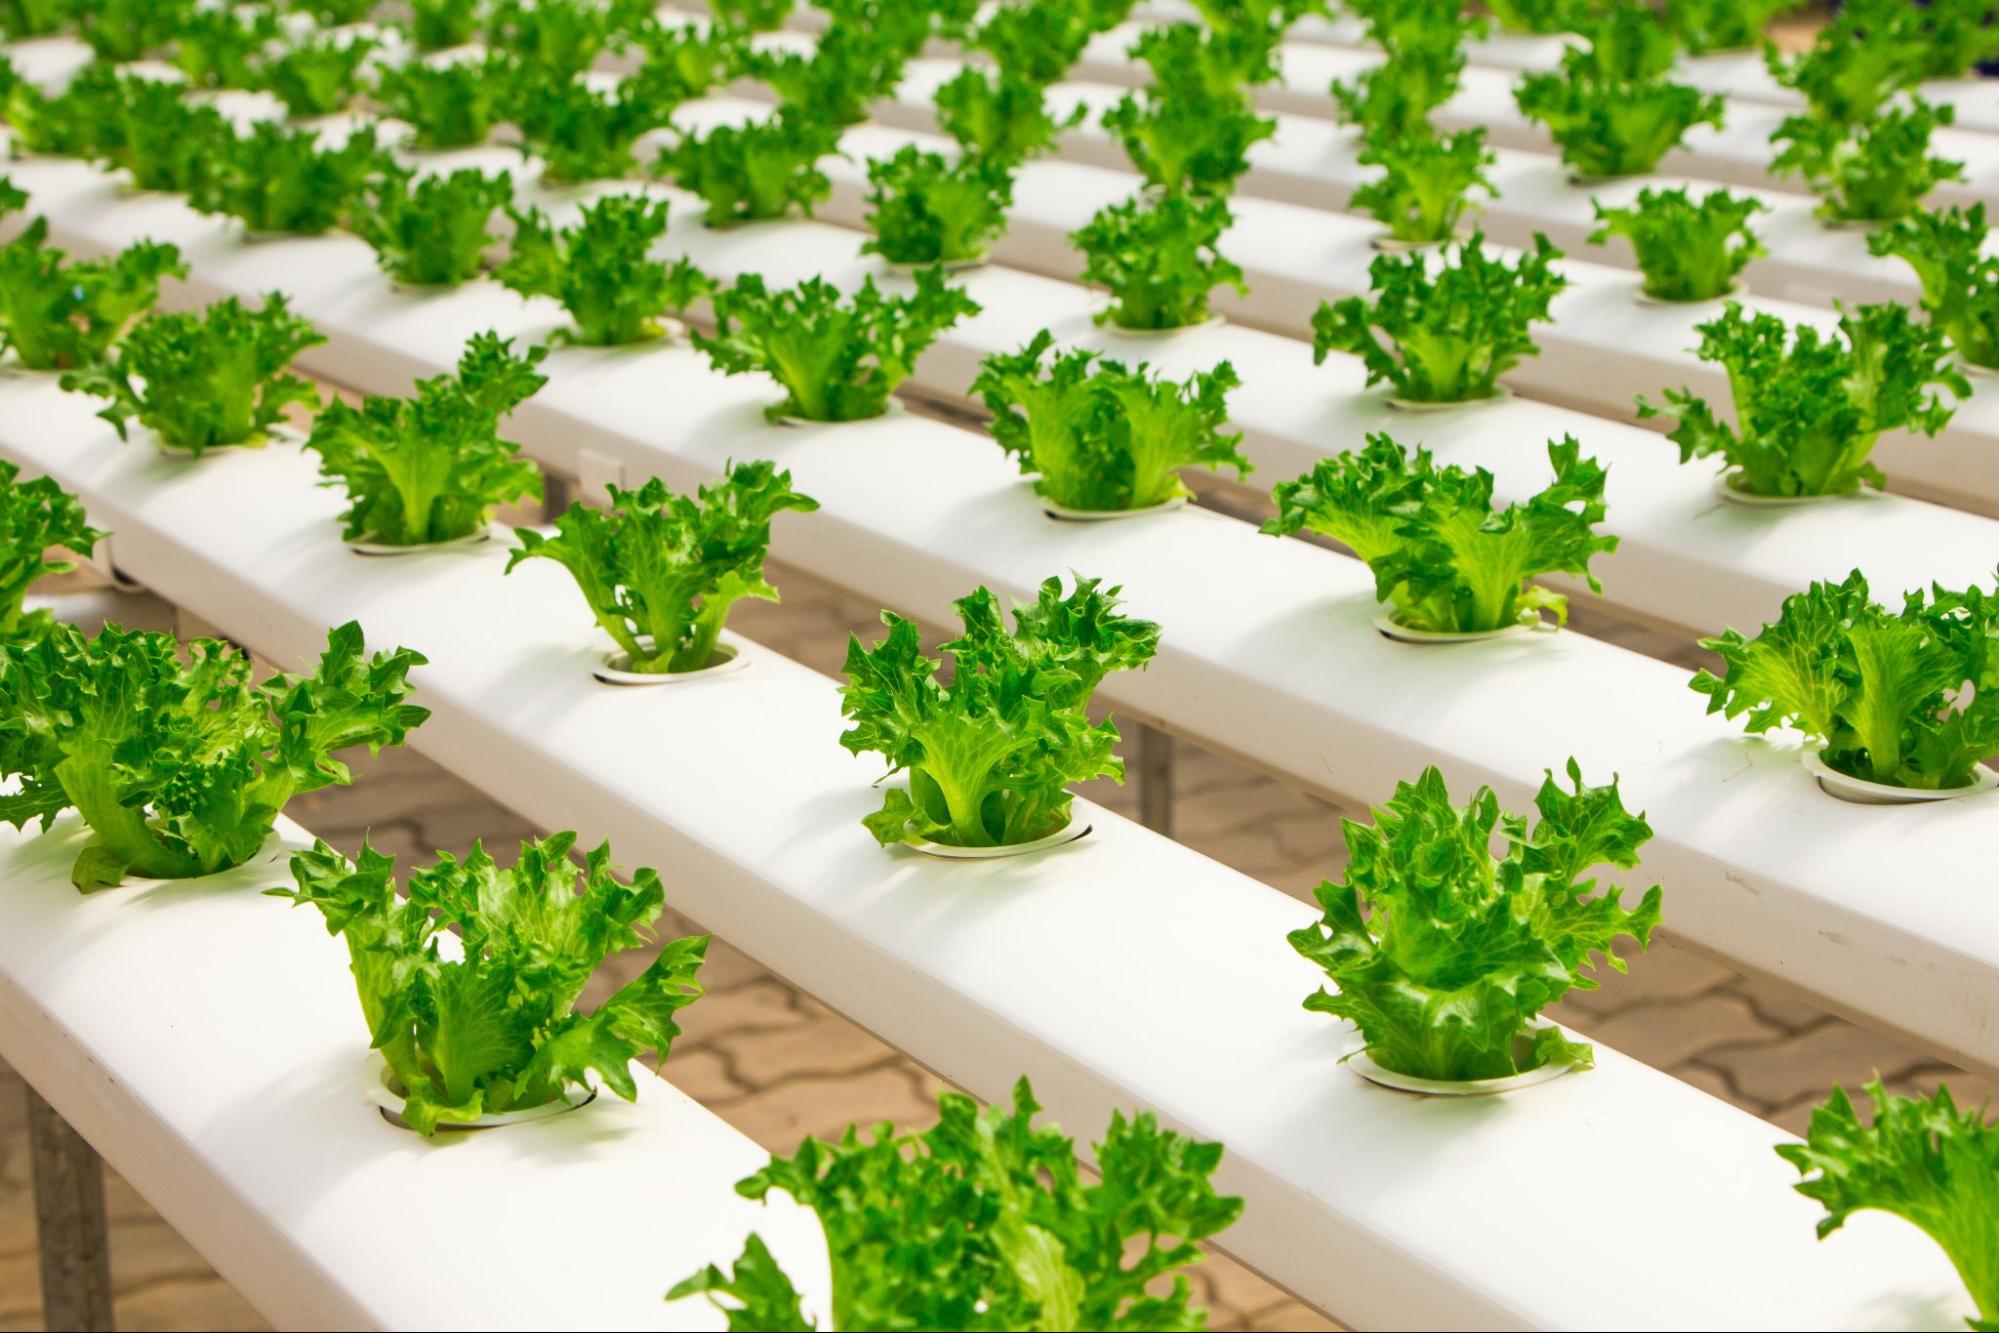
x: 1155, y: 779
x: 69, y: 1222
x: 557, y: 494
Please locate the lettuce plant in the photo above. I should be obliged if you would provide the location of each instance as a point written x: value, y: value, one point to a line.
x: 1948, y: 38
x: 1159, y: 259
x: 1098, y: 435
x: 71, y: 123
x: 1226, y: 16
x: 837, y: 358
x: 21, y: 19
x: 1909, y: 699
x: 985, y: 1221
x: 583, y: 131
x: 683, y: 62
x: 1188, y: 59
x: 431, y: 230
x: 1397, y: 96
x: 163, y: 141
x: 1445, y: 954
x: 1874, y: 172
x: 560, y: 39
x: 176, y: 762
x: 1707, y: 26
x: 1858, y: 61
x: 1921, y: 1159
x: 1540, y: 16
x: 58, y: 315
x: 205, y: 379
x: 280, y: 180
x: 1036, y: 40
x: 448, y: 103
x: 432, y: 467
x: 1423, y: 193
x: 437, y: 25
x: 602, y: 269
x: 1187, y: 142
x: 124, y: 30
x: 851, y: 65
x: 754, y: 171
x: 223, y: 47
x: 1404, y: 27
x: 1452, y: 327
x: 1613, y: 128
x: 37, y: 518
x: 492, y: 1023
x: 997, y: 115
x: 319, y: 75
x: 1687, y: 251
x: 925, y: 209
x: 661, y: 571
x: 1445, y: 560
x: 1809, y: 408
x: 1960, y: 281
x: 990, y: 756
x: 752, y: 15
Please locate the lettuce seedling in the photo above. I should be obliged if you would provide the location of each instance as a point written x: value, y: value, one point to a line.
x: 755, y: 171
x: 991, y: 755
x: 661, y: 571
x: 432, y: 468
x: 1187, y: 142
x: 1000, y: 116
x: 1452, y: 327
x: 1037, y: 40
x: 837, y: 359
x: 583, y: 131
x: 1960, y: 281
x: 1707, y: 26
x: 1397, y: 96
x: 163, y: 141
x: 1613, y: 128
x: 1444, y: 559
x: 752, y: 15
x: 1921, y: 1159
x: 449, y: 103
x: 1188, y: 59
x: 123, y: 30
x: 1809, y: 408
x: 1444, y: 954
x: 59, y: 315
x: 602, y: 269
x: 488, y: 1022
x: 1859, y: 60
x: 1538, y: 16
x: 851, y: 65
x: 1910, y: 699
x: 223, y: 47
x: 1687, y: 251
x: 176, y: 762
x: 280, y: 180
x: 1874, y: 172
x: 21, y: 19
x: 1097, y: 435
x: 430, y: 230
x: 926, y: 209
x: 204, y: 379
x: 37, y: 518
x: 560, y: 39
x: 438, y: 25
x: 984, y: 1221
x: 1423, y: 194
x: 1159, y: 259
x: 319, y: 75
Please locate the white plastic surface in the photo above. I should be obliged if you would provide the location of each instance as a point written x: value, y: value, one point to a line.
x: 1280, y: 664
x: 1071, y: 966
x: 205, y: 1038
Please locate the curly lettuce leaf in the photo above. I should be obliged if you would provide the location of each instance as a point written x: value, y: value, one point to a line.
x: 1687, y: 250
x: 602, y: 269
x: 37, y: 519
